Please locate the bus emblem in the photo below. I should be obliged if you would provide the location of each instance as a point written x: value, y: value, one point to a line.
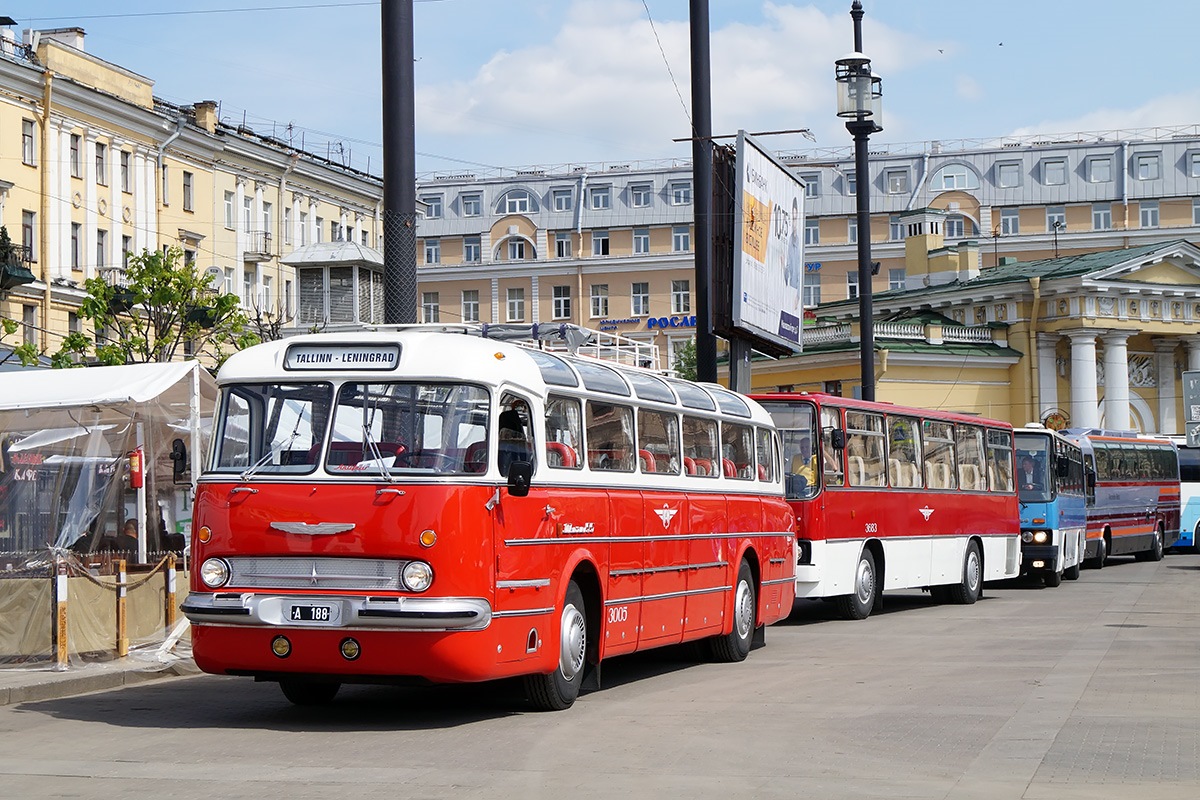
x: 926, y: 512
x: 666, y: 514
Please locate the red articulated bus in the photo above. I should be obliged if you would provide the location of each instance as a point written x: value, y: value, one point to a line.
x: 888, y: 497
x: 431, y: 502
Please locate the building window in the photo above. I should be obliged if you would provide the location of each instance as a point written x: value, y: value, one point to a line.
x: 681, y: 297
x: 433, y: 251
x: 641, y: 241
x: 335, y: 231
x: 599, y: 299
x: 76, y: 253
x: 188, y: 191
x: 812, y: 293
x: 1101, y: 216
x: 248, y: 213
x: 599, y: 243
x: 516, y: 202
x: 287, y: 227
x: 303, y: 228
x: 895, y: 229
x: 101, y: 249
x: 639, y: 195
x: 1010, y: 221
x: 76, y: 160
x: 1008, y: 176
x: 681, y: 239
x: 681, y: 193
x: 472, y: 249
x: 1148, y: 213
x: 639, y: 299
x: 472, y: 205
x: 851, y: 285
x: 562, y: 245
x: 812, y: 184
x: 897, y: 279
x: 27, y: 142
x: 516, y: 250
x: 266, y: 297
x: 319, y: 227
x: 126, y: 250
x: 851, y: 178
x: 28, y: 222
x: 366, y: 237
x: 516, y: 305
x: 954, y: 176
x: 1194, y: 165
x: 1099, y: 170
x: 29, y: 322
x: 1056, y: 218
x: 164, y: 185
x: 1196, y: 211
x: 563, y: 199
x: 470, y: 305
x: 433, y: 206
x: 268, y: 218
x: 897, y: 181
x: 101, y: 163
x: 812, y: 231
x: 1054, y: 173
x: 126, y: 172
x: 601, y: 198
x: 1146, y: 166
x: 430, y: 311
x: 562, y: 302
x: 954, y: 227
x: 852, y: 230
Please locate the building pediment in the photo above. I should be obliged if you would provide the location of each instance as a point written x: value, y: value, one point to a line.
x: 1173, y: 264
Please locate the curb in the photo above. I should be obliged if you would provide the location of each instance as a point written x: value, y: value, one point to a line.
x: 56, y: 685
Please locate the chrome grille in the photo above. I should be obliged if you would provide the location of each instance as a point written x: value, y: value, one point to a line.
x: 300, y: 572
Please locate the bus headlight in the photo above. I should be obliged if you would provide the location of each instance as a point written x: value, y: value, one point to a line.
x: 417, y: 576
x: 1026, y: 536
x: 1041, y: 537
x: 214, y: 572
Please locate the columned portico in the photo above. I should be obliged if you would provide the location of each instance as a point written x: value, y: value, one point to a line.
x: 1164, y: 370
x: 1116, y: 380
x: 1193, y: 351
x: 1047, y: 344
x: 1084, y: 395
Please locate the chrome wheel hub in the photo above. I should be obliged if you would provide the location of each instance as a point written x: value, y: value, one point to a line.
x: 743, y: 610
x: 573, y: 643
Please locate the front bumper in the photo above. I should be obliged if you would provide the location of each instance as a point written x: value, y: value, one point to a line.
x: 339, y: 611
x: 1031, y: 554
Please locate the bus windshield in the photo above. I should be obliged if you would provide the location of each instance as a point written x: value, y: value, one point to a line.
x: 371, y: 429
x: 797, y: 431
x: 1033, y: 469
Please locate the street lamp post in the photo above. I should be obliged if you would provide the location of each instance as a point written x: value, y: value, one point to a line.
x: 1057, y: 224
x: 860, y: 104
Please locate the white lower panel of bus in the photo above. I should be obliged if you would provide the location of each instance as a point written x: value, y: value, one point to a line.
x: 910, y: 562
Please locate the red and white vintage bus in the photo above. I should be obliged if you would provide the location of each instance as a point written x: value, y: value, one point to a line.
x: 428, y: 502
x: 888, y: 497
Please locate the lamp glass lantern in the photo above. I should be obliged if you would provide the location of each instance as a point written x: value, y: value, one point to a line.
x: 860, y: 92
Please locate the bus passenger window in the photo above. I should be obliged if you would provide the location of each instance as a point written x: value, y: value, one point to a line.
x: 865, y: 449
x: 938, y: 438
x: 1000, y: 458
x: 700, y: 446
x: 610, y: 437
x: 564, y: 429
x: 969, y: 450
x: 832, y: 458
x: 904, y: 453
x: 737, y: 451
x: 515, y: 434
x: 765, y: 453
x: 658, y: 442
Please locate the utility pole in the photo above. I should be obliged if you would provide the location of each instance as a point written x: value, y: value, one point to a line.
x: 399, y: 164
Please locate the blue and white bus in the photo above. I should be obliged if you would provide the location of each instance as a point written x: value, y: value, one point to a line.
x: 1189, y: 493
x: 1050, y: 488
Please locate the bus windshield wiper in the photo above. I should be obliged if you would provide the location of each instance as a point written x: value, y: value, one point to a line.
x: 368, y: 440
x: 269, y: 456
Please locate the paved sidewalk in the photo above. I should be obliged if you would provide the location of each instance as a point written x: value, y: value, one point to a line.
x: 23, y: 684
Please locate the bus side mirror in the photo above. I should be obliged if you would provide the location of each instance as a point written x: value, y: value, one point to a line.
x: 179, y: 458
x: 837, y: 438
x: 520, y: 474
x: 1091, y: 480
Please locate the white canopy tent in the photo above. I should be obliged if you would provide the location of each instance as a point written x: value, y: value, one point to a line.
x: 78, y: 417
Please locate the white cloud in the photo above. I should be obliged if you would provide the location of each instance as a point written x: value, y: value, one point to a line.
x: 967, y: 88
x: 1165, y: 111
x: 599, y: 89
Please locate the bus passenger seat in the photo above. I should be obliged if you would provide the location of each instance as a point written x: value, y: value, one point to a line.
x: 475, y: 459
x: 703, y: 466
x: 858, y: 471
x: 968, y: 477
x: 689, y: 465
x: 646, y: 459
x: 728, y: 468
x: 561, y: 455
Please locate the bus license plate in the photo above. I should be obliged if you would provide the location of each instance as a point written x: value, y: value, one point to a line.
x: 312, y: 613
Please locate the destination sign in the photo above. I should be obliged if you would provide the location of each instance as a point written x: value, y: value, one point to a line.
x: 342, y: 357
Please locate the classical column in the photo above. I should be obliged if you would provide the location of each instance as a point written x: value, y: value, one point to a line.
x: 1084, y: 396
x: 1047, y: 375
x: 1116, y: 380
x: 1193, y: 351
x: 1164, y: 369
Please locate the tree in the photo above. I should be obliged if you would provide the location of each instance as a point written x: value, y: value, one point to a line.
x: 26, y: 353
x: 164, y: 303
x: 685, y: 361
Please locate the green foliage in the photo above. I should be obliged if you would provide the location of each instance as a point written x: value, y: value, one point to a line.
x: 164, y: 303
x: 685, y: 361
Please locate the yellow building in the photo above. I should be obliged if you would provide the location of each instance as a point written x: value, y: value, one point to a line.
x: 1092, y: 340
x: 106, y: 169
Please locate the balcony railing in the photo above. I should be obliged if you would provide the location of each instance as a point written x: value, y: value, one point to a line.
x: 258, y: 245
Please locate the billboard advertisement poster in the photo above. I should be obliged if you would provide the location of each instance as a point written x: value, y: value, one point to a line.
x: 768, y: 268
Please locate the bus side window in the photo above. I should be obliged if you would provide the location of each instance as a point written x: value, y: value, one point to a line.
x: 832, y: 458
x: 564, y: 431
x: 865, y: 448
x: 610, y: 443
x: 515, y: 435
x: 658, y: 442
x: 700, y: 445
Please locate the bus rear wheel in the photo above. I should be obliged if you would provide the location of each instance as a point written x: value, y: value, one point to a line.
x: 1101, y: 554
x: 735, y: 645
x: 309, y: 693
x: 558, y: 690
x: 971, y: 587
x: 1155, y: 553
x: 1054, y: 579
x: 859, y: 604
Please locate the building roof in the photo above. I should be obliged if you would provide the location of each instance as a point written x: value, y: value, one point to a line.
x: 334, y: 253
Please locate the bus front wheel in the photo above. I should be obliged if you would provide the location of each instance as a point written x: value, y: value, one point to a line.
x: 1101, y: 554
x: 309, y: 693
x: 558, y: 690
x: 1053, y: 579
x: 859, y: 604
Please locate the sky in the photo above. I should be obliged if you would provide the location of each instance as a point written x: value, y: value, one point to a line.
x: 504, y: 84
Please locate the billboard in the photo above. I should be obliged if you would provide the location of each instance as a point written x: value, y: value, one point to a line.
x: 768, y: 252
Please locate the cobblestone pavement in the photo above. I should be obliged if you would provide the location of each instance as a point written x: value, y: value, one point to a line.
x: 1090, y: 690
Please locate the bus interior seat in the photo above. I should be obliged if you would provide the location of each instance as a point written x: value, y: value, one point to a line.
x: 561, y: 455
x: 703, y: 466
x: 968, y: 477
x: 475, y: 459
x: 646, y: 459
x: 937, y: 475
x: 728, y: 468
x: 689, y: 465
x: 858, y: 471
x: 762, y: 472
